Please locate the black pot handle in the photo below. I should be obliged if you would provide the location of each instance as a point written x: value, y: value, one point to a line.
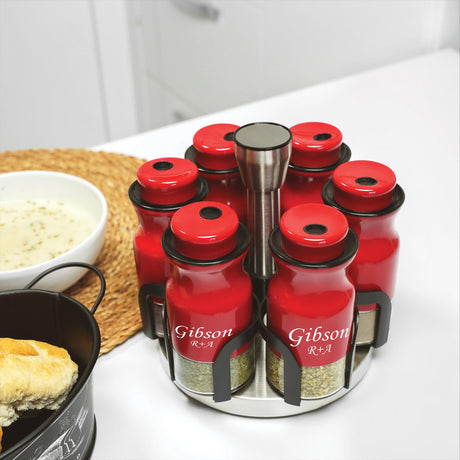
x: 75, y: 264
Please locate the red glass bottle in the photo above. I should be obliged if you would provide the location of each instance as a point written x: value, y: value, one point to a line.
x: 367, y: 193
x: 213, y: 151
x: 310, y: 303
x: 317, y: 149
x: 163, y: 186
x: 208, y: 294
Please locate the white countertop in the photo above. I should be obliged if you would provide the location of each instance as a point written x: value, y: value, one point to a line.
x: 407, y: 406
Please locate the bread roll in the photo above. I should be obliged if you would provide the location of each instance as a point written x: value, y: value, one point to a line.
x: 33, y: 375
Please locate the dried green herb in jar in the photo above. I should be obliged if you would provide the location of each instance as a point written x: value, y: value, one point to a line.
x: 315, y: 382
x: 197, y: 376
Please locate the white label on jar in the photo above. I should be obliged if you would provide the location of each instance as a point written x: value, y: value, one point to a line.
x: 200, y: 333
x: 297, y: 335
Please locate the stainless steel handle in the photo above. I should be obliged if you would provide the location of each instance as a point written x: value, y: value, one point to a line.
x: 198, y: 9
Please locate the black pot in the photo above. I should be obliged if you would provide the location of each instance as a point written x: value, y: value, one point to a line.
x: 52, y: 317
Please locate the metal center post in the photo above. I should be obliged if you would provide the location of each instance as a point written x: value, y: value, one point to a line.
x: 262, y: 153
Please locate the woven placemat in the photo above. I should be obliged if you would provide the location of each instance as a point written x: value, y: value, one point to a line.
x: 118, y: 314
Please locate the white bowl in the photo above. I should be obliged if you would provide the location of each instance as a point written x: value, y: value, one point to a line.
x: 71, y: 190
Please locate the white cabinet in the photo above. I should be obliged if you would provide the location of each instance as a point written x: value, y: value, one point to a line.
x: 211, y: 63
x: 206, y: 55
x: 200, y: 61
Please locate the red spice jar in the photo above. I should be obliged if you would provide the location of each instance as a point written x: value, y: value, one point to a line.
x: 213, y: 152
x: 310, y: 303
x: 208, y: 294
x: 367, y: 193
x: 163, y: 186
x: 317, y: 149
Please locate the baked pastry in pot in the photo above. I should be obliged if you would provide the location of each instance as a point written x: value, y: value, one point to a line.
x: 33, y: 375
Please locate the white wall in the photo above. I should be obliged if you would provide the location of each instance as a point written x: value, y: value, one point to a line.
x: 191, y: 63
x: 77, y: 73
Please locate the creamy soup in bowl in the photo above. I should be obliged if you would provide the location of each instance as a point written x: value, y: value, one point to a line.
x: 48, y: 218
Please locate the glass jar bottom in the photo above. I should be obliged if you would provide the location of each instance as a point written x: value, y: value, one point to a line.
x: 316, y: 382
x: 196, y: 376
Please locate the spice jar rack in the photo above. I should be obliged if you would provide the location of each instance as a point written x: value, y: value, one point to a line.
x: 257, y: 397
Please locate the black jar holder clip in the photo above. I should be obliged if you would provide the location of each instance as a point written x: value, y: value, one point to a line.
x: 147, y: 307
x: 383, y: 302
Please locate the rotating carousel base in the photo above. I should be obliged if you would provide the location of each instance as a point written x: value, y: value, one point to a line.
x: 258, y: 399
